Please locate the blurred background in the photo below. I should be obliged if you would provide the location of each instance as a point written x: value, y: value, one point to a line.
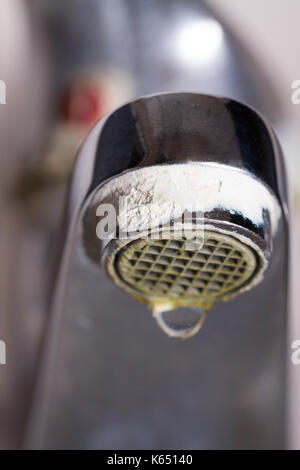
x: 65, y: 64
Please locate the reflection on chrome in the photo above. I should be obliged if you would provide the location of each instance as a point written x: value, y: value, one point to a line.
x: 199, y: 41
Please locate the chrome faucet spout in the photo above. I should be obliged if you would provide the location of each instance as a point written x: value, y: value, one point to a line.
x: 108, y: 366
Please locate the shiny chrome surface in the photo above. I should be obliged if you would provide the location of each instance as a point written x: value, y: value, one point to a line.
x: 68, y: 38
x: 109, y: 378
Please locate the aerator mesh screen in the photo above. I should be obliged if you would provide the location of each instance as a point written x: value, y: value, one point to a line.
x: 187, y: 270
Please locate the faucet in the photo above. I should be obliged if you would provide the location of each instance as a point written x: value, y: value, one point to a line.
x: 128, y: 361
x: 109, y: 376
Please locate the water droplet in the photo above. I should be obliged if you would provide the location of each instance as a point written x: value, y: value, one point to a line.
x: 182, y: 322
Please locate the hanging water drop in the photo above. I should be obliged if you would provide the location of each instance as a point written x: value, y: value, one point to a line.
x: 182, y: 322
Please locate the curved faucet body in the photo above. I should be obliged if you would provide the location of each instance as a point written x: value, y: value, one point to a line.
x: 109, y: 378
